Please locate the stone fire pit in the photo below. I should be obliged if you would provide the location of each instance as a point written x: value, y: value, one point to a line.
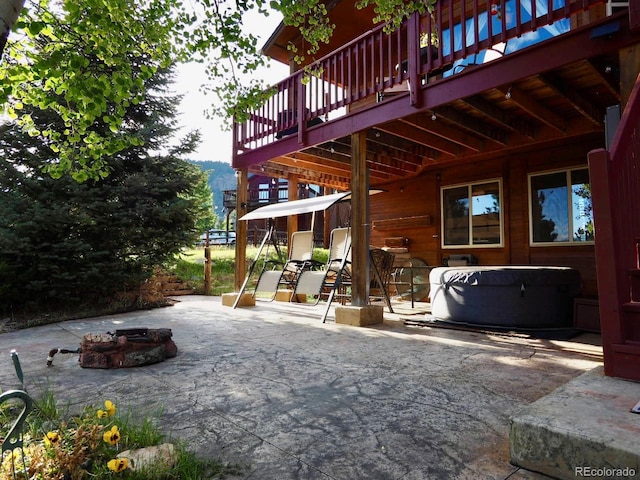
x: 133, y: 347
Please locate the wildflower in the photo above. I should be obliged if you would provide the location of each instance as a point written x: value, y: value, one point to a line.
x: 110, y: 410
x: 9, y: 462
x: 112, y: 436
x: 52, y: 438
x: 118, y: 464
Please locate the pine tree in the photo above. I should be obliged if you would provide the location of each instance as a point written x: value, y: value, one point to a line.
x: 64, y: 243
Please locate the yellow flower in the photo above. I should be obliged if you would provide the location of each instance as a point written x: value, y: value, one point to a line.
x: 112, y: 436
x: 52, y: 438
x: 9, y: 463
x: 110, y: 410
x: 118, y: 464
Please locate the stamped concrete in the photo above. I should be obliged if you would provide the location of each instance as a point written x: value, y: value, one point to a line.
x: 288, y: 397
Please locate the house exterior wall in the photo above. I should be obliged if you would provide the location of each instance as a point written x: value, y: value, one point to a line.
x: 419, y: 198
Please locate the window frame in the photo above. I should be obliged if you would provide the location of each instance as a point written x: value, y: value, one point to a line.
x: 570, y: 212
x: 470, y: 186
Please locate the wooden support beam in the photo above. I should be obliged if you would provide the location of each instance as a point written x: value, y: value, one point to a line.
x: 634, y: 15
x: 242, y: 190
x: 499, y: 136
x: 418, y: 135
x: 586, y: 108
x: 292, y: 194
x: 359, y: 220
x: 505, y: 119
x: 534, y: 108
x: 629, y: 71
x: 429, y: 122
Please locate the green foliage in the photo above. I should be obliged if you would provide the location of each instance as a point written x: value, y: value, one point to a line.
x: 85, y: 63
x: 189, y: 269
x: 59, y: 445
x: 64, y: 243
x: 220, y: 177
x: 310, y: 17
x: 67, y: 60
x: 393, y: 12
x: 205, y: 197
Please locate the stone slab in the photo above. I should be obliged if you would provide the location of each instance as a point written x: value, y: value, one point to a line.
x: 229, y: 299
x: 359, y: 316
x: 583, y: 429
x: 286, y: 296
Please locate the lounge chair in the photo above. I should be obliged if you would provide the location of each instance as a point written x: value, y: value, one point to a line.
x: 276, y: 274
x: 336, y: 272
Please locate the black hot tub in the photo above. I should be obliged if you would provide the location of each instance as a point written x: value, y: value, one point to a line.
x: 511, y: 296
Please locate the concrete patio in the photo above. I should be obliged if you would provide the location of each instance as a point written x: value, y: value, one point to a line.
x: 274, y: 389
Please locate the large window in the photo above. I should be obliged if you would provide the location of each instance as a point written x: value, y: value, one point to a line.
x: 560, y: 207
x: 472, y: 215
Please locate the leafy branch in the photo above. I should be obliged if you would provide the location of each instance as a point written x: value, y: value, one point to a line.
x: 87, y: 62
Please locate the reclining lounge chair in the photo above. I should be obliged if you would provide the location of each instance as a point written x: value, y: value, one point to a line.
x: 276, y: 274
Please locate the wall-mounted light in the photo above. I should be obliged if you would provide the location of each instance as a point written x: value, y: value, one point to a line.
x: 508, y: 94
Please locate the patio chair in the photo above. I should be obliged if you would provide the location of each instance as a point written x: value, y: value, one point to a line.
x: 319, y: 283
x: 381, y: 267
x: 276, y: 274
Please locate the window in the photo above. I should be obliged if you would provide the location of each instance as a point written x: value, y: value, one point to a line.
x: 472, y: 215
x: 614, y: 6
x: 560, y: 207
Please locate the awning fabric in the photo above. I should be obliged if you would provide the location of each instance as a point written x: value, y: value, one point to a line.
x: 296, y: 207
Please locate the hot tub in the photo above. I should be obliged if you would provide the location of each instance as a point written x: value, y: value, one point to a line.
x: 505, y: 296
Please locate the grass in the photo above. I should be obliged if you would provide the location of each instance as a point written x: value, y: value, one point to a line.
x: 190, y: 266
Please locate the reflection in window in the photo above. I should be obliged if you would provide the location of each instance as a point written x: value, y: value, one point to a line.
x: 472, y: 215
x: 561, y: 208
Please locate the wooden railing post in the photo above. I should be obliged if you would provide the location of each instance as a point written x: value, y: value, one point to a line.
x: 300, y: 109
x: 413, y: 58
x: 605, y: 256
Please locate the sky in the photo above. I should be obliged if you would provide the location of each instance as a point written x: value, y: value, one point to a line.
x: 216, y: 142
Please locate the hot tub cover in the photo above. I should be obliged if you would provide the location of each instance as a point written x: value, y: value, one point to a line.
x: 504, y: 275
x: 511, y: 296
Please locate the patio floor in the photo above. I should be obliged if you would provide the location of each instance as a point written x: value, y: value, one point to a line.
x: 274, y: 389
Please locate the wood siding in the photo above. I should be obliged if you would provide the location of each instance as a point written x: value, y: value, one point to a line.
x: 420, y: 198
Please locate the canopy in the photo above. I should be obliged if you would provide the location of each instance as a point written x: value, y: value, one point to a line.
x: 296, y: 207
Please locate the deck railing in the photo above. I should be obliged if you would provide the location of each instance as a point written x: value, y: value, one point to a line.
x: 378, y: 62
x: 267, y: 194
x: 615, y: 186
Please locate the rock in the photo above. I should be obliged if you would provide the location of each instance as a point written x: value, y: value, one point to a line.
x: 158, y: 456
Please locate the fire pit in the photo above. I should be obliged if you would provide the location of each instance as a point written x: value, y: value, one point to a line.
x: 133, y: 347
